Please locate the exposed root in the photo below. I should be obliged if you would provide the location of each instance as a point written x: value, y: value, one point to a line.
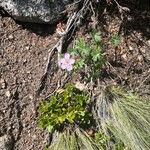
x: 72, y: 23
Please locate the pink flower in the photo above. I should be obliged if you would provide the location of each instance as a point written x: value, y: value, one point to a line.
x: 66, y: 62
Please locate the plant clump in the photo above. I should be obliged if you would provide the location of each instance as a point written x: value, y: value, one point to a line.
x: 68, y: 107
x: 89, y: 56
x: 94, y: 118
x: 125, y: 115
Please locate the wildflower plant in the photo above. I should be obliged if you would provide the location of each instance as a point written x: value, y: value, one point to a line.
x: 89, y: 55
x: 68, y: 107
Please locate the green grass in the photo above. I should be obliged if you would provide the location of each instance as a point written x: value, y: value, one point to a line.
x: 126, y: 116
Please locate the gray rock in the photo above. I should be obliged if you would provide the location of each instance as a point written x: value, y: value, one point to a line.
x: 5, y: 143
x: 37, y: 11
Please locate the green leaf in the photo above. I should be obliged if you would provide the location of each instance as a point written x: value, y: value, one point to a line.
x: 115, y: 40
x: 63, y: 108
x: 97, y: 37
x: 50, y: 128
x: 79, y: 64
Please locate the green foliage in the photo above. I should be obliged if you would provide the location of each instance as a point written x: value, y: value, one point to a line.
x: 68, y: 107
x: 89, y: 54
x: 106, y: 141
x: 126, y: 116
x: 80, y: 140
x: 102, y: 139
x: 115, y: 40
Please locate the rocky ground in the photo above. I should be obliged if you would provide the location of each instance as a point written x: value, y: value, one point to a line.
x: 24, y: 50
x: 23, y: 54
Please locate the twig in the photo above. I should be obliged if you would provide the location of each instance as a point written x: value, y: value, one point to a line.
x: 72, y: 22
x: 58, y: 46
x: 121, y: 8
x: 142, y: 82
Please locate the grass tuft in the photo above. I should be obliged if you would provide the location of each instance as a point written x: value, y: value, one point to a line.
x: 126, y: 116
x: 77, y: 140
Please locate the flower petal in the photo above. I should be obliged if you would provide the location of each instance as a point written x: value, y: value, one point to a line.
x: 71, y: 61
x: 69, y: 67
x: 63, y: 66
x: 62, y: 61
x: 66, y: 56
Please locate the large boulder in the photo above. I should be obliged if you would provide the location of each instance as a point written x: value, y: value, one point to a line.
x: 37, y: 11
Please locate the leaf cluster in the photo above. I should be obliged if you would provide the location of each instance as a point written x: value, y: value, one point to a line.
x: 115, y: 40
x: 89, y: 54
x: 68, y: 107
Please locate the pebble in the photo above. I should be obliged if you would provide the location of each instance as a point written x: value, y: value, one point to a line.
x: 2, y: 84
x: 80, y: 86
x: 140, y: 58
x: 28, y: 72
x: 131, y: 48
x: 8, y: 94
x: 143, y: 50
x: 45, y: 58
x: 31, y: 97
x: 10, y: 37
x: 24, y: 61
x: 27, y: 47
x: 124, y: 56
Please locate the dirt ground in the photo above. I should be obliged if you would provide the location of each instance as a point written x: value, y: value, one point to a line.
x: 23, y: 55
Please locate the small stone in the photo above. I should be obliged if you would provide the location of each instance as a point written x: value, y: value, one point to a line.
x: 27, y: 47
x: 24, y: 61
x: 140, y: 58
x: 28, y: 72
x: 124, y: 56
x: 130, y: 18
x: 80, y: 86
x: 31, y: 97
x: 143, y: 50
x: 8, y: 94
x: 10, y: 37
x: 131, y: 48
x: 2, y: 84
x: 148, y: 42
x: 45, y: 58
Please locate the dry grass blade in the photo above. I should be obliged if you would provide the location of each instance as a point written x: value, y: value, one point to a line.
x: 77, y: 140
x: 126, y: 116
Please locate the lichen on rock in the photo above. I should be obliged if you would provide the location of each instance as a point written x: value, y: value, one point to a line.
x: 37, y: 11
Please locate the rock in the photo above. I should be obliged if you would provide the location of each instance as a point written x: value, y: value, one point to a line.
x: 10, y: 37
x: 131, y: 48
x: 2, y: 84
x: 37, y: 11
x: 5, y: 143
x: 8, y: 94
